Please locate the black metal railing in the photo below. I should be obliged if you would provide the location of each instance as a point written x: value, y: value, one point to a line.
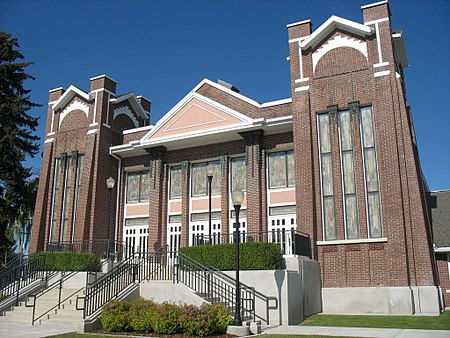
x: 19, y: 275
x: 57, y: 284
x: 136, y: 268
x: 217, y: 287
x: 291, y: 242
x: 102, y: 247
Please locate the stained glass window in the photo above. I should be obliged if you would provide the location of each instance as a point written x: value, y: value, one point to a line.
x: 138, y: 185
x: 200, y: 180
x: 348, y: 174
x: 371, y: 174
x: 281, y: 169
x: 175, y: 182
x: 329, y: 222
x: 238, y: 174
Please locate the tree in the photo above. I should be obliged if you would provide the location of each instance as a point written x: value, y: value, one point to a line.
x: 16, y: 134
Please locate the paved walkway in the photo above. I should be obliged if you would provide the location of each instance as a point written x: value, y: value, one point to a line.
x: 355, y: 332
x: 17, y: 330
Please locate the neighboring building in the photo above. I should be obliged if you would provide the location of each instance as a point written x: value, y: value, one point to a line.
x: 337, y: 161
x: 439, y: 207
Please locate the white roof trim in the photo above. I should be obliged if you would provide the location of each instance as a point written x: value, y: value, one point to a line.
x: 101, y: 76
x: 442, y: 249
x: 276, y: 103
x: 134, y: 103
x: 298, y: 23
x: 374, y: 4
x: 332, y: 23
x: 68, y: 95
x: 136, y: 130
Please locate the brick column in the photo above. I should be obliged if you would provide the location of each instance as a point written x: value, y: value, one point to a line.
x: 255, y: 177
x: 225, y: 195
x: 156, y: 195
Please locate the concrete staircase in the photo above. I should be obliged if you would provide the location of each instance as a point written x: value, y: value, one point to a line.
x: 66, y: 316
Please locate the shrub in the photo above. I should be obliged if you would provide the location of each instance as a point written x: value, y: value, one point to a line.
x: 218, y: 317
x: 115, y: 316
x: 70, y: 261
x: 141, y: 315
x: 253, y: 256
x: 194, y: 321
x: 166, y: 319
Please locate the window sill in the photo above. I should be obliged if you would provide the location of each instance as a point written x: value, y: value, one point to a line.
x: 353, y: 241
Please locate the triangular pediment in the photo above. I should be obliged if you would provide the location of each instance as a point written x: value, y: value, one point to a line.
x: 195, y: 115
x: 335, y: 22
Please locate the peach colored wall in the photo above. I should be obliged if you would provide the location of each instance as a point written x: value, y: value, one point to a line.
x: 203, y: 204
x: 195, y: 115
x: 174, y: 207
x: 135, y: 210
x: 278, y: 197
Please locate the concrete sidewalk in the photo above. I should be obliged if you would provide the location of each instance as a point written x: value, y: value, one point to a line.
x: 20, y: 330
x: 355, y: 332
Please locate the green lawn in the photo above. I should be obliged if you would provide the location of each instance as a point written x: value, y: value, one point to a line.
x: 400, y: 322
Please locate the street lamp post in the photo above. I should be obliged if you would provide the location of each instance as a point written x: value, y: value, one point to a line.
x: 237, y: 197
x: 210, y: 177
x: 110, y: 183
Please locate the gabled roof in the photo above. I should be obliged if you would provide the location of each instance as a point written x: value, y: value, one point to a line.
x: 68, y: 96
x: 332, y: 23
x: 131, y: 97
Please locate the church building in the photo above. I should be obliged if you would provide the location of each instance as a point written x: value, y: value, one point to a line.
x: 331, y: 173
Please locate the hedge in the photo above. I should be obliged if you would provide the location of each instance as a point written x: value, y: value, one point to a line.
x: 253, y: 256
x: 145, y: 316
x: 69, y: 261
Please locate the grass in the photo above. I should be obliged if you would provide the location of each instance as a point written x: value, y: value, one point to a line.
x: 441, y: 322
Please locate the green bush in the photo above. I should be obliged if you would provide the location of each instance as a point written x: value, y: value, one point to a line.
x: 166, y: 319
x: 141, y: 315
x: 144, y: 316
x: 70, y: 261
x: 253, y: 256
x: 115, y: 316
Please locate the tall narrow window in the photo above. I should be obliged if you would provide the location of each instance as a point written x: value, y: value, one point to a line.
x: 371, y: 174
x: 348, y: 175
x: 326, y: 168
x: 175, y: 182
x: 77, y: 191
x: 238, y: 174
x: 281, y: 169
x: 55, y: 192
x: 66, y: 198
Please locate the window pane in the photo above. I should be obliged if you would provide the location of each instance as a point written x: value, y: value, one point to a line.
x: 277, y: 170
x: 238, y: 174
x: 145, y: 186
x: 348, y: 172
x: 175, y: 182
x: 374, y: 215
x: 133, y: 187
x: 290, y: 168
x: 345, y: 130
x: 215, y: 184
x: 199, y: 179
x: 324, y: 130
x: 351, y: 217
x: 136, y: 221
x: 367, y: 127
x: 328, y: 215
x: 327, y: 175
x: 371, y: 169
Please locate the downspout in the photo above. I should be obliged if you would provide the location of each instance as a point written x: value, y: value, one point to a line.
x: 116, y: 221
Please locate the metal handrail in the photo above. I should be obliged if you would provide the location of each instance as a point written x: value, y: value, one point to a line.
x: 291, y: 241
x: 215, y: 286
x: 18, y: 276
x: 136, y: 268
x: 54, y: 285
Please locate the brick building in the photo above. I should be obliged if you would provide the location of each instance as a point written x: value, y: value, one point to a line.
x: 337, y: 162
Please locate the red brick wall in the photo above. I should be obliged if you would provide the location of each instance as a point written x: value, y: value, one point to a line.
x: 444, y: 277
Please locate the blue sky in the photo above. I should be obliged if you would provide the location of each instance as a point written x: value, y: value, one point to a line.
x: 162, y: 49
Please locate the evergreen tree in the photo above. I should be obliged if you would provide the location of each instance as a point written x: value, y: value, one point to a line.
x: 16, y: 135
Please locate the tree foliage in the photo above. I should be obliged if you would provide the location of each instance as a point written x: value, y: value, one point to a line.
x: 16, y: 134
